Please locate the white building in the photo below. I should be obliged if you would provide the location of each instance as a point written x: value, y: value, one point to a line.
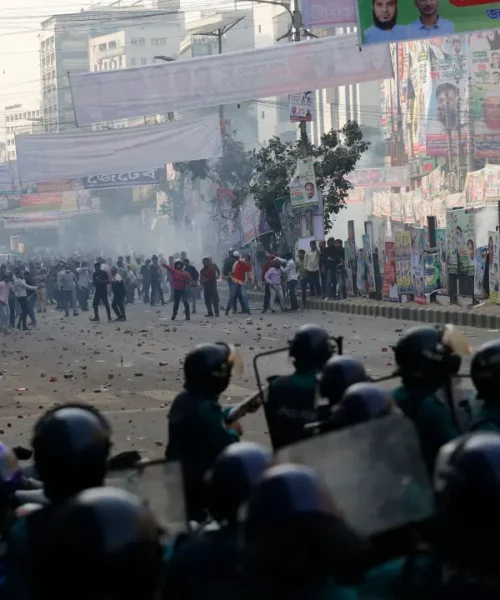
x: 64, y: 48
x: 19, y: 119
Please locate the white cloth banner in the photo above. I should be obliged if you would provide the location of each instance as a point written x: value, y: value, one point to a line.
x: 79, y: 153
x: 226, y: 78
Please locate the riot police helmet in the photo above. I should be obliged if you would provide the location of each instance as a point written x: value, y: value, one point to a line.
x: 424, y: 358
x: 294, y: 531
x: 467, y: 491
x: 310, y: 347
x: 339, y: 373
x: 362, y: 402
x: 105, y: 543
x: 207, y: 368
x: 71, y: 446
x: 232, y: 478
x: 485, y: 371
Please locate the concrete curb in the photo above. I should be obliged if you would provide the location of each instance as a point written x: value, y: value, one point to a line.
x: 387, y: 311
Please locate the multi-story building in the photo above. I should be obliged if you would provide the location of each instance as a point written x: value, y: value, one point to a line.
x: 64, y: 48
x: 19, y: 119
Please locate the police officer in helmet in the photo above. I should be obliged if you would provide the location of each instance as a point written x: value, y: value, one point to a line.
x: 197, y: 432
x: 291, y: 400
x: 104, y: 543
x: 71, y: 446
x: 214, y: 554
x: 485, y: 374
x: 426, y: 363
x: 297, y: 544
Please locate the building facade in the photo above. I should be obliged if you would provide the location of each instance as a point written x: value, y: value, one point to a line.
x: 20, y: 119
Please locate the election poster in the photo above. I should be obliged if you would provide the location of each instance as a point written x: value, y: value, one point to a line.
x: 361, y: 273
x: 443, y: 266
x: 390, y: 287
x: 303, y: 191
x: 301, y: 107
x: 493, y: 249
x: 484, y: 72
x: 403, y: 260
x: 481, y: 254
x: 417, y: 235
x: 431, y: 272
x: 384, y: 22
x: 461, y: 234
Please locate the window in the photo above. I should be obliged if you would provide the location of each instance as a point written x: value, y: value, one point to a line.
x: 144, y: 61
x: 37, y: 113
x: 112, y: 44
x: 260, y: 28
x: 162, y: 41
x: 133, y: 41
x: 141, y: 42
x: 133, y: 62
x: 24, y: 115
x: 154, y: 41
x: 102, y: 47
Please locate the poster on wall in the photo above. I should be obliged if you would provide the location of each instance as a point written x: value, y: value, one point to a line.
x: 403, y: 258
x: 481, y: 254
x: 370, y: 270
x: 461, y: 235
x: 390, y: 288
x: 493, y: 247
x: 303, y: 191
x: 417, y: 263
x: 431, y: 272
x: 361, y: 273
x: 348, y: 251
x: 443, y: 267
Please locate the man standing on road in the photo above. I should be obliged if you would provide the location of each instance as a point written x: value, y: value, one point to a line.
x: 145, y: 280
x: 193, y: 273
x: 84, y: 282
x: 312, y: 269
x: 290, y: 270
x: 119, y: 293
x: 69, y: 285
x: 227, y: 269
x: 100, y: 280
x: 21, y: 289
x: 301, y: 269
x: 155, y: 281
x: 181, y: 280
x: 239, y: 277
x: 208, y: 279
x: 5, y: 287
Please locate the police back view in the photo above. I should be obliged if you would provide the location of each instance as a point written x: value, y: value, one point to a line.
x: 291, y: 399
x: 485, y: 373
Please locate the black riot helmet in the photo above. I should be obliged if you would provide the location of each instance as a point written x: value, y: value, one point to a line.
x: 339, y: 373
x: 362, y: 402
x: 71, y: 446
x: 467, y: 491
x: 485, y: 371
x: 294, y: 533
x: 424, y: 358
x: 105, y: 544
x: 232, y: 478
x: 310, y: 347
x: 207, y: 368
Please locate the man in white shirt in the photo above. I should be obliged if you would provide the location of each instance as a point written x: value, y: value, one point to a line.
x: 290, y: 270
x: 312, y: 270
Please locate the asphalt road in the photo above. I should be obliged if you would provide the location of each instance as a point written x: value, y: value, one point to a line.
x: 133, y: 370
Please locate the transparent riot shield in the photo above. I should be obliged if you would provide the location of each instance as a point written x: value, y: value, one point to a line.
x: 374, y: 470
x: 160, y: 485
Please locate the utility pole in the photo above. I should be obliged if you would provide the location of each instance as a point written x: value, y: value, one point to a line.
x: 297, y: 24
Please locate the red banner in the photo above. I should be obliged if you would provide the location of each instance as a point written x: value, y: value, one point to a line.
x: 41, y: 199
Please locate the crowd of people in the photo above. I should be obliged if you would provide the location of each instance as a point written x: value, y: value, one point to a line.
x: 261, y: 527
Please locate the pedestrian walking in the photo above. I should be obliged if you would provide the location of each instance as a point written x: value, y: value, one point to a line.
x: 100, y: 279
x: 208, y: 278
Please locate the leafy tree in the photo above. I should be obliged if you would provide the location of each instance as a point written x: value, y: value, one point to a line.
x: 334, y: 159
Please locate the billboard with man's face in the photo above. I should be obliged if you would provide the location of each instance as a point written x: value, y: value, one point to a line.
x: 383, y: 21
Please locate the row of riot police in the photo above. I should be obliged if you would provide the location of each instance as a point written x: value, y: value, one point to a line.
x: 268, y: 528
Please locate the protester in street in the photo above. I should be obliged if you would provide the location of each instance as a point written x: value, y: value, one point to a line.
x: 100, y: 279
x: 181, y: 280
x: 30, y: 280
x: 290, y: 270
x: 83, y: 273
x: 208, y: 279
x: 341, y: 272
x: 68, y: 284
x: 312, y: 269
x: 195, y: 276
x: 5, y: 287
x: 41, y: 293
x: 330, y: 264
x: 301, y: 269
x: 119, y: 293
x: 240, y: 269
x: 273, y: 278
x: 267, y: 290
x: 146, y: 283
x: 227, y: 269
x: 155, y: 281
x: 21, y: 289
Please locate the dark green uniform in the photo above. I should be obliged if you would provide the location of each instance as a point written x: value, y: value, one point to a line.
x: 431, y: 417
x: 290, y: 405
x: 485, y: 417
x: 196, y: 435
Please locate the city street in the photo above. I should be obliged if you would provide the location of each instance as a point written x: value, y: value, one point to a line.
x: 133, y: 370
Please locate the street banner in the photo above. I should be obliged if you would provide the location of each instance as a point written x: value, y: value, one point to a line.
x: 421, y: 84
x: 382, y: 22
x: 370, y: 271
x: 303, y: 191
x: 76, y: 153
x: 494, y: 252
x: 431, y: 272
x: 381, y: 177
x: 417, y: 235
x: 403, y: 261
x: 350, y: 255
x: 448, y: 102
x: 492, y: 183
x: 325, y: 13
x: 390, y: 287
x: 481, y: 254
x: 120, y: 180
x: 227, y: 78
x: 301, y: 107
x: 442, y: 253
x: 461, y: 231
x: 484, y: 71
x: 475, y: 189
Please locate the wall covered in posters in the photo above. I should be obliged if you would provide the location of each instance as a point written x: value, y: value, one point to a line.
x: 403, y: 261
x: 493, y: 247
x: 481, y: 253
x: 442, y: 253
x: 370, y: 270
x: 461, y: 233
x: 417, y: 263
x: 390, y: 287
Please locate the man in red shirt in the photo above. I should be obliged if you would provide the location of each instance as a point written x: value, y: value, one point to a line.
x: 241, y: 269
x: 180, y: 281
x: 208, y: 279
